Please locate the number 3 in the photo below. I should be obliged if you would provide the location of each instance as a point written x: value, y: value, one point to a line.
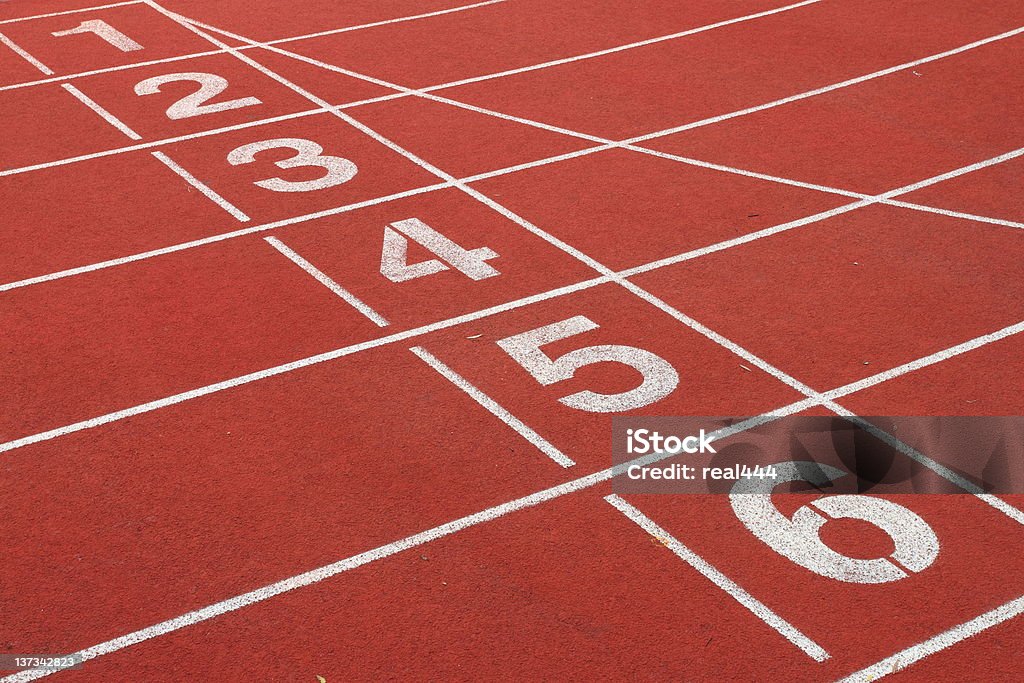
x: 660, y: 378
x: 307, y: 153
x: 797, y: 539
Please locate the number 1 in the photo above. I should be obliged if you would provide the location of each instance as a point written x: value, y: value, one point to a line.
x: 104, y: 31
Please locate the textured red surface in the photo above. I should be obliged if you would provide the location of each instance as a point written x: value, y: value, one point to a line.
x: 172, y: 507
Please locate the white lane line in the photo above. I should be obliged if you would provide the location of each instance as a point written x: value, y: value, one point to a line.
x: 103, y: 113
x: 141, y: 256
x: 321, y: 277
x: 157, y: 143
x: 379, y: 553
x: 203, y: 188
x: 710, y: 572
x: 495, y: 512
x: 306, y: 36
x: 384, y: 22
x: 957, y: 634
x: 277, y: 41
x: 71, y: 11
x: 494, y: 407
x: 925, y: 361
x: 828, y: 88
x: 627, y: 46
x: 25, y: 55
x: 294, y: 365
x: 609, y: 144
x: 109, y: 69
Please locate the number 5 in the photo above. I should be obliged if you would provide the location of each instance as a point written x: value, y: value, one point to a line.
x: 660, y: 378
x: 797, y: 538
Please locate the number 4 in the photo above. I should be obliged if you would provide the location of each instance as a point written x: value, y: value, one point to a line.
x: 394, y: 264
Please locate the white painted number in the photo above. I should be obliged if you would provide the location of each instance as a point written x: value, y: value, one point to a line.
x: 797, y: 539
x: 104, y: 31
x: 210, y: 85
x: 395, y: 266
x: 307, y: 153
x: 660, y: 378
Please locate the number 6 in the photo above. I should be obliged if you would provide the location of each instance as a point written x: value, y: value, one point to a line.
x: 660, y: 378
x: 797, y: 539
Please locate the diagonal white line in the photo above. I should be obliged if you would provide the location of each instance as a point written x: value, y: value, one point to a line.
x: 492, y: 406
x: 71, y: 11
x: 25, y: 55
x: 203, y: 188
x: 627, y: 46
x: 103, y: 113
x: 387, y: 550
x: 959, y: 633
x: 321, y: 277
x: 828, y: 88
x: 379, y: 553
x: 710, y: 572
x: 609, y: 144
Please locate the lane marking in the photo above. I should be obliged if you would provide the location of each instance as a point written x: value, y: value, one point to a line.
x: 25, y: 55
x: 627, y: 46
x: 141, y: 256
x: 71, y: 11
x: 321, y: 277
x: 904, y: 658
x: 203, y: 188
x: 381, y: 552
x: 306, y: 36
x: 829, y: 88
x: 710, y: 572
x: 609, y: 144
x: 277, y: 41
x: 551, y: 239
x: 493, y: 407
x: 158, y: 143
x: 294, y: 365
x: 103, y: 113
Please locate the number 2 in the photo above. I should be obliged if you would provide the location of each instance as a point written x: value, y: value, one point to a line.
x: 211, y: 85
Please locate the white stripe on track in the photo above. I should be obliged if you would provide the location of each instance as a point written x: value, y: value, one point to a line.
x: 710, y: 572
x: 203, y: 188
x: 493, y: 407
x: 321, y: 277
x: 207, y: 53
x: 495, y: 512
x: 25, y: 55
x: 103, y: 113
x: 957, y: 634
x: 71, y: 11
